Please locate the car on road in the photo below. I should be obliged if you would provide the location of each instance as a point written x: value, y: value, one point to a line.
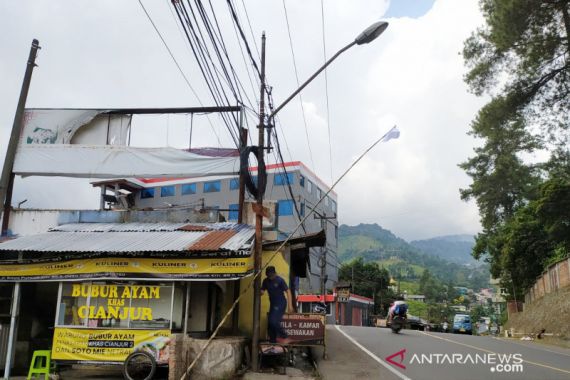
x: 462, y: 324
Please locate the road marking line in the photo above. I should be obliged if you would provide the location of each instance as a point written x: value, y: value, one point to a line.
x: 530, y: 345
x: 496, y: 353
x: 387, y: 366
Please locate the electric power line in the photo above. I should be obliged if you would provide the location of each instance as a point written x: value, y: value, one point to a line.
x: 326, y: 88
x: 208, y: 67
x: 177, y: 64
x: 298, y: 85
x: 242, y: 34
x: 250, y: 29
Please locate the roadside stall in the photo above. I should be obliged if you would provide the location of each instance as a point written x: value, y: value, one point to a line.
x: 124, y: 287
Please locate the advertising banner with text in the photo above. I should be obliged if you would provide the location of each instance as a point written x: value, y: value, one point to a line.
x: 304, y: 329
x: 97, y: 345
x: 129, y: 268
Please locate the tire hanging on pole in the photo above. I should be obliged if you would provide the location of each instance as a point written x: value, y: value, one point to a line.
x: 254, y: 189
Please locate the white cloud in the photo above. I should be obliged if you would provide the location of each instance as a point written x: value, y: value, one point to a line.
x: 106, y: 54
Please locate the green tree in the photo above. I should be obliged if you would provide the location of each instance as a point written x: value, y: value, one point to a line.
x: 521, y: 59
x: 538, y: 234
x: 477, y: 312
x: 366, y: 278
x: 432, y: 287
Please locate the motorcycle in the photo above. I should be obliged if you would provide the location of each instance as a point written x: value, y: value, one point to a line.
x: 398, y: 322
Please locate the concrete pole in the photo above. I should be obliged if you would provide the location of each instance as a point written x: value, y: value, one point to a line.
x: 14, y: 312
x: 258, y: 217
x: 241, y: 201
x: 323, y: 263
x: 7, y: 179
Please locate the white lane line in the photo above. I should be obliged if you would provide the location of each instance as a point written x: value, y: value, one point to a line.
x: 530, y: 345
x: 493, y: 352
x: 386, y: 365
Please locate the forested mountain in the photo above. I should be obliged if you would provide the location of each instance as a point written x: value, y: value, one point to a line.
x: 455, y: 248
x: 373, y: 243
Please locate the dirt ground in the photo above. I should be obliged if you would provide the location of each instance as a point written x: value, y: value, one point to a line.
x: 551, y: 312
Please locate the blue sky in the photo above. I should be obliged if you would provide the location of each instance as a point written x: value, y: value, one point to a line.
x: 409, y: 8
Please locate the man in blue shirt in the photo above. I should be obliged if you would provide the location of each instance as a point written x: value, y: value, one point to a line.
x: 279, y: 301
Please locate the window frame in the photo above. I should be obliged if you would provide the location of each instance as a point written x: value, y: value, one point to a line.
x: 148, y: 190
x: 164, y: 195
x: 234, y: 184
x: 283, y: 179
x: 217, y: 185
x: 282, y: 201
x: 189, y: 185
x: 234, y: 208
x: 85, y: 322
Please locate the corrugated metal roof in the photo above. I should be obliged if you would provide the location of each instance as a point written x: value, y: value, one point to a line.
x: 136, y: 237
x: 212, y: 240
x: 118, y: 227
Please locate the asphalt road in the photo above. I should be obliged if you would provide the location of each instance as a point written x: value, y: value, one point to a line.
x: 439, y: 356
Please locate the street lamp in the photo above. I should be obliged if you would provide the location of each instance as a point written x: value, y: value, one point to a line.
x: 368, y: 35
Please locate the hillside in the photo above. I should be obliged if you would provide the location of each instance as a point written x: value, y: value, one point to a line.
x: 374, y: 243
x: 551, y: 312
x: 455, y: 248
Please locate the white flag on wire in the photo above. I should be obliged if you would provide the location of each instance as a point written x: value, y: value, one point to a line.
x: 393, y: 133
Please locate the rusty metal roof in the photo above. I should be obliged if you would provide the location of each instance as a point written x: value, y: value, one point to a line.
x: 137, y: 237
x: 212, y: 240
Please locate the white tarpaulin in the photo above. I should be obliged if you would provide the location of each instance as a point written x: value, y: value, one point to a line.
x: 74, y: 126
x: 93, y: 144
x: 109, y: 161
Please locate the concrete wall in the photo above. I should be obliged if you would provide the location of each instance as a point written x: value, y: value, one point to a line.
x: 220, y: 360
x: 556, y: 277
x: 24, y: 222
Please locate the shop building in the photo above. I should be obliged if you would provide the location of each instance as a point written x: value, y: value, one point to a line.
x: 94, y: 292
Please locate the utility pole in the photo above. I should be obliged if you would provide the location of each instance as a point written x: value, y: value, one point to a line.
x: 324, y: 274
x: 259, y: 216
x: 7, y: 179
x: 241, y: 201
x: 323, y: 263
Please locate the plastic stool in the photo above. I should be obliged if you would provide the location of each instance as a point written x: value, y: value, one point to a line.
x: 40, y: 365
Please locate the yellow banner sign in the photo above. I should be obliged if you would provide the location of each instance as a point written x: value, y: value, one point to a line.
x: 131, y: 268
x: 96, y: 345
x: 115, y: 296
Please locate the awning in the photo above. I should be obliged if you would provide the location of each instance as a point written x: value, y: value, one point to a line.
x: 317, y: 239
x: 299, y: 246
x: 148, y: 251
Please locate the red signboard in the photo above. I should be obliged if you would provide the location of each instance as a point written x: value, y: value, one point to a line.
x: 305, y: 329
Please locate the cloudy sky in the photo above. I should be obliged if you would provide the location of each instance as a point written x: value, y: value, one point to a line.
x: 107, y: 54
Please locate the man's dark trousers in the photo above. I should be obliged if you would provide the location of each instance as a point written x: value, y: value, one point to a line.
x: 274, y: 322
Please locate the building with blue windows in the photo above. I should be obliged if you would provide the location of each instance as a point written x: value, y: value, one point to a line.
x: 294, y: 187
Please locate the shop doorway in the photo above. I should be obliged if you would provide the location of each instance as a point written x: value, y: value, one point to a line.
x: 38, y: 304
